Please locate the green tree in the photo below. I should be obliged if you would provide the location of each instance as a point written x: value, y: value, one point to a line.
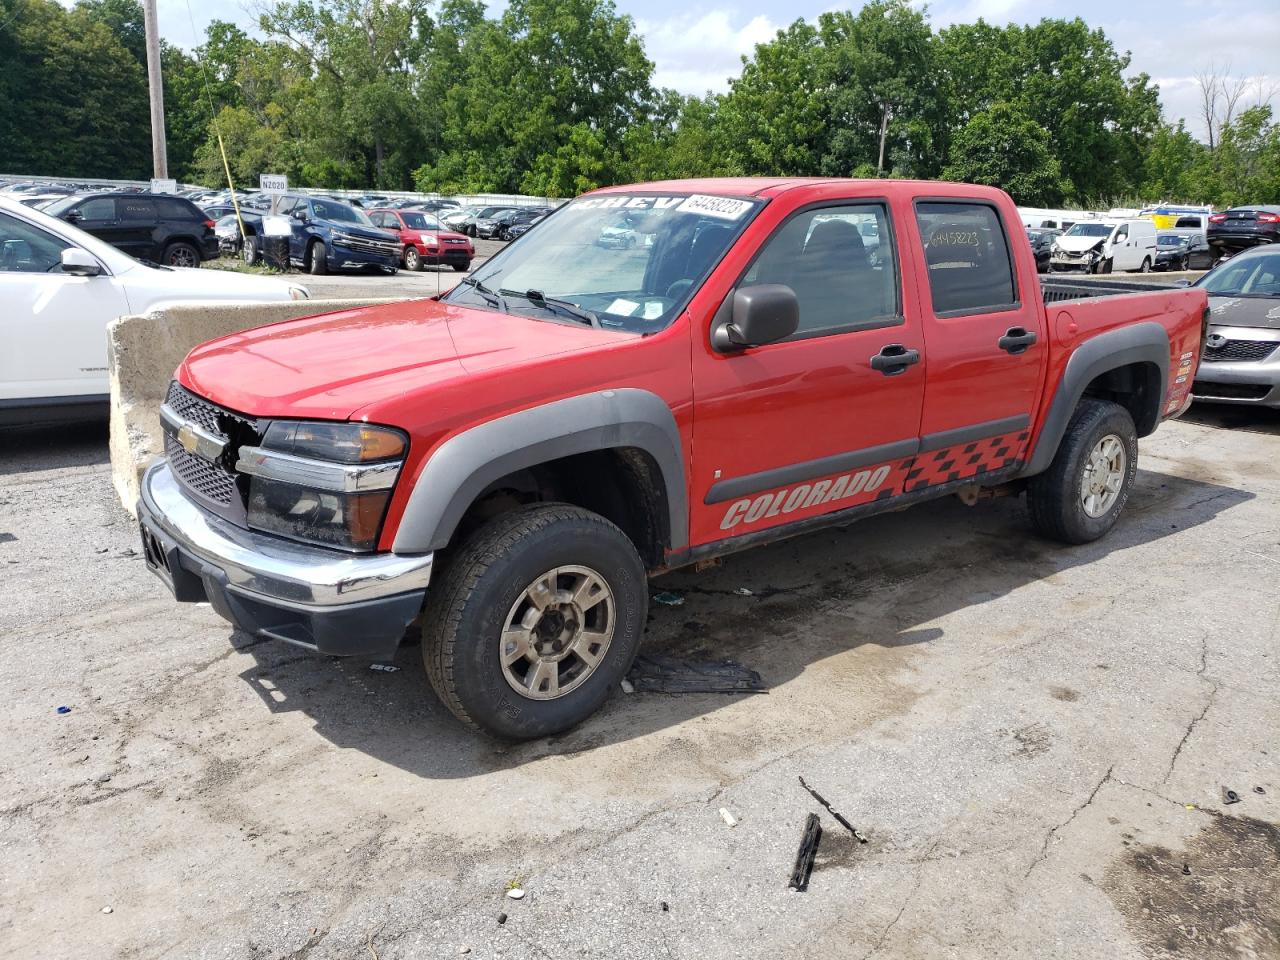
x: 1003, y: 147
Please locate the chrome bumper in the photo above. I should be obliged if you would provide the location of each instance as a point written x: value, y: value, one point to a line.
x: 269, y: 566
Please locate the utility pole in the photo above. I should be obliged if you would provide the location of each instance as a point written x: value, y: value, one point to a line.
x: 159, y: 152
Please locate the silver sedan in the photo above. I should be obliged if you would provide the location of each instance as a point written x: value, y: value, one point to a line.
x: 1241, y: 358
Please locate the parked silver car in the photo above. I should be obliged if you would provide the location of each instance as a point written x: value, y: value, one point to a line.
x: 1241, y: 358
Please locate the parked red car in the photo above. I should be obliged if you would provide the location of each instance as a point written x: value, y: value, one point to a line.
x: 425, y: 239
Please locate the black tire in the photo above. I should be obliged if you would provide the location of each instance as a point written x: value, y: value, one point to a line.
x: 317, y: 265
x: 1055, y: 497
x: 180, y: 254
x: 412, y: 261
x: 1107, y: 265
x: 467, y: 612
x: 250, y: 253
x: 462, y: 267
x: 1146, y: 265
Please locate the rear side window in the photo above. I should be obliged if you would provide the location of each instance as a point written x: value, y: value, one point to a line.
x: 130, y: 209
x: 840, y: 263
x: 968, y: 258
x: 1192, y: 223
x: 172, y: 208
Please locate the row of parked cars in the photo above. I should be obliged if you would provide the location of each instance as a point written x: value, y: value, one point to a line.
x: 1194, y: 241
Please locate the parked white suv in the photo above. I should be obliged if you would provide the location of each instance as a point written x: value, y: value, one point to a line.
x: 1104, y: 246
x: 59, y: 287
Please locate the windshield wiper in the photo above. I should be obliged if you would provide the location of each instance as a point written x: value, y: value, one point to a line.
x: 563, y: 307
x: 489, y: 297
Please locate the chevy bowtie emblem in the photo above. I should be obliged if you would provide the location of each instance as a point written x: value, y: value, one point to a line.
x: 187, y: 437
x: 1215, y: 341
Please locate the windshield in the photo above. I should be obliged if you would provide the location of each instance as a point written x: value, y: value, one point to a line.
x: 1170, y: 240
x: 1089, y: 230
x: 339, y: 212
x: 1249, y: 276
x: 59, y: 207
x: 631, y: 260
x: 419, y: 221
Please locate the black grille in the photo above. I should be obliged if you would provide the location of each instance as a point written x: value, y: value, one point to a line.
x: 212, y: 483
x: 1230, y: 391
x: 190, y: 407
x: 1239, y: 350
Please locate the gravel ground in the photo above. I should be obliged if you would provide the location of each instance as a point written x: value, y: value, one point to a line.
x: 1033, y: 740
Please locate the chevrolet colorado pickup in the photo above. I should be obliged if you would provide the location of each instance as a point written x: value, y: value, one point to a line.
x: 508, y: 462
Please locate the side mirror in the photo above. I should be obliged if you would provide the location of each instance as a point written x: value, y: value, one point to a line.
x: 300, y: 215
x: 764, y: 313
x: 75, y: 216
x: 1184, y: 282
x: 79, y: 263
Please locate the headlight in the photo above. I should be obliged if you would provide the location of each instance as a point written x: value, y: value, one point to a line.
x: 324, y: 483
x: 299, y: 293
x: 429, y: 239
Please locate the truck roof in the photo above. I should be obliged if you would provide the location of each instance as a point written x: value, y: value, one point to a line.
x: 774, y: 186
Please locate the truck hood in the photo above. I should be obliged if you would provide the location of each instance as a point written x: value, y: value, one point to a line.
x: 329, y: 367
x: 1261, y: 312
x: 1078, y: 244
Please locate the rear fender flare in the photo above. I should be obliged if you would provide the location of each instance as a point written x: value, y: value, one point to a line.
x: 467, y: 463
x: 1146, y: 342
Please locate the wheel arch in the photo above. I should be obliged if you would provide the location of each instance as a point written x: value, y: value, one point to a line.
x: 633, y: 430
x: 1129, y: 366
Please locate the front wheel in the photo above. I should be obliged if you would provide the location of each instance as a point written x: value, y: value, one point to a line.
x: 535, y: 621
x: 1080, y: 496
x: 411, y: 259
x: 249, y: 252
x: 317, y: 264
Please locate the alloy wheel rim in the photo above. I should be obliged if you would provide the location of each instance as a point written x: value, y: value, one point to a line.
x: 1103, y: 478
x: 180, y: 258
x: 557, y: 633
x: 411, y: 258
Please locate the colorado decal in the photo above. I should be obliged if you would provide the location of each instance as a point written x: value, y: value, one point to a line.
x: 791, y: 499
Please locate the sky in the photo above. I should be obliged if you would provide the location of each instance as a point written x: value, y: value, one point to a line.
x: 696, y: 45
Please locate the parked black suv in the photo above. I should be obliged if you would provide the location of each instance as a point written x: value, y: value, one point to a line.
x: 162, y: 229
x: 1243, y: 227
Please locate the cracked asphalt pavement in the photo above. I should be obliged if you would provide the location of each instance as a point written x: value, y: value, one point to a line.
x: 1033, y: 739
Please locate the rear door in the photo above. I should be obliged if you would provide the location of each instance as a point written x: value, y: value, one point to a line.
x: 827, y: 419
x: 138, y: 227
x: 984, y: 338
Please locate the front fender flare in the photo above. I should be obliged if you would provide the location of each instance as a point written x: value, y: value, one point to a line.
x: 1146, y: 342
x: 467, y: 463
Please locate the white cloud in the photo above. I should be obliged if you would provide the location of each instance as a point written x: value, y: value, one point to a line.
x: 699, y: 51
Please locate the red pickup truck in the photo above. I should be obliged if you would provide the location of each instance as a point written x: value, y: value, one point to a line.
x: 770, y: 356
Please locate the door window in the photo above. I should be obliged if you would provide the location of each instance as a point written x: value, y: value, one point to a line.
x: 967, y: 254
x: 26, y: 249
x: 100, y: 208
x: 840, y: 263
x: 171, y: 208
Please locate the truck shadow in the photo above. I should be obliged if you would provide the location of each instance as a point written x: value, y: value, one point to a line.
x: 1239, y: 417
x: 26, y: 449
x: 882, y: 582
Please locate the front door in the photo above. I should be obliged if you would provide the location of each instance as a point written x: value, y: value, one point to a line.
x: 983, y: 334
x: 53, y: 325
x: 829, y: 418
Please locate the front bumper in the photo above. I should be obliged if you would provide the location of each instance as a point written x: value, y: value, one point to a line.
x: 342, y: 255
x: 452, y: 253
x: 1251, y: 382
x: 337, y: 604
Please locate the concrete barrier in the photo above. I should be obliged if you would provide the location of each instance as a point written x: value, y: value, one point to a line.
x: 142, y: 354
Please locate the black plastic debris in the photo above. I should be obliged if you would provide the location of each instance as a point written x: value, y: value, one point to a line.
x: 1186, y: 870
x: 1230, y: 796
x: 655, y: 673
x: 502, y: 918
x: 1260, y: 791
x: 806, y: 854
x: 7, y: 537
x: 833, y: 811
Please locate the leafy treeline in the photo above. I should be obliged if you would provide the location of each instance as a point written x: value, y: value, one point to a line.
x: 554, y: 97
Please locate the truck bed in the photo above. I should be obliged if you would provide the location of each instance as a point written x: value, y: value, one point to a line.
x: 1058, y: 291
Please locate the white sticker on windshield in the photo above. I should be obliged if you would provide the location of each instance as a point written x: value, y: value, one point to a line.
x: 623, y: 308
x: 725, y: 208
x: 653, y: 309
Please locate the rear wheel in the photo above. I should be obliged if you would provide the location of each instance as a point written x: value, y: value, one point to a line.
x: 1080, y: 497
x: 535, y: 621
x: 249, y: 251
x: 1146, y: 265
x: 411, y: 259
x: 180, y: 255
x: 317, y: 265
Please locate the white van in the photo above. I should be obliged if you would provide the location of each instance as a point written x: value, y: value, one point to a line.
x: 1104, y: 246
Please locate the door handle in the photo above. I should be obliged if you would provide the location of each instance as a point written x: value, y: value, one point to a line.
x: 894, y: 359
x: 1016, y: 340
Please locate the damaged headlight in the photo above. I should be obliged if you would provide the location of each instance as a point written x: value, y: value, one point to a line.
x: 323, y: 483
